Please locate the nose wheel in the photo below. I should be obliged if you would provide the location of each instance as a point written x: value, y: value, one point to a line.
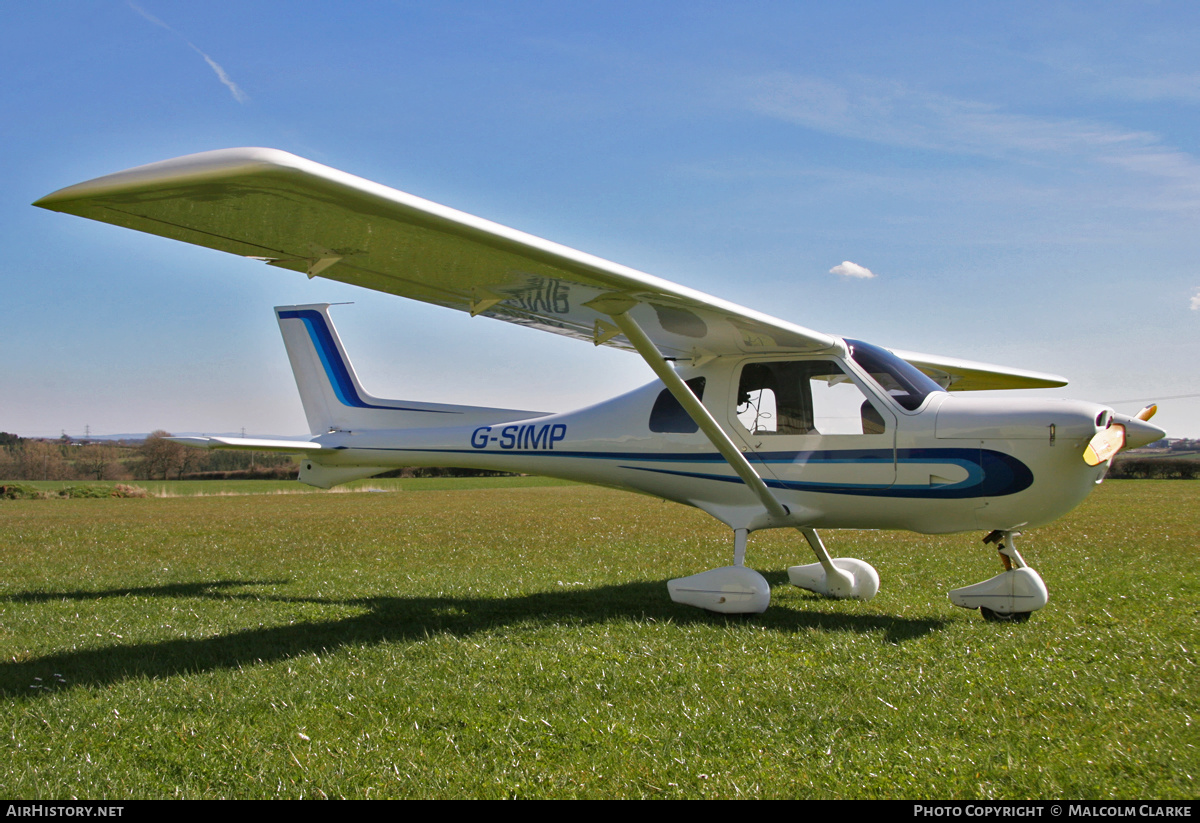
x: 1009, y: 597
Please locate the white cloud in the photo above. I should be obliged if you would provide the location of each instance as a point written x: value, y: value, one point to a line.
x: 893, y: 113
x: 1183, y: 88
x: 848, y: 269
x: 1196, y: 301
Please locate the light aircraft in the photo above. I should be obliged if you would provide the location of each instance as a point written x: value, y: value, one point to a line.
x: 757, y: 421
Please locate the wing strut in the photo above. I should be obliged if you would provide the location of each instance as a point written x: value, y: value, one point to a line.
x: 617, y: 307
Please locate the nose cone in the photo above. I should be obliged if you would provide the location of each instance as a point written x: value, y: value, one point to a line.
x: 1138, y: 433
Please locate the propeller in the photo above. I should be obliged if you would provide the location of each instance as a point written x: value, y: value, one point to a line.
x: 1104, y: 445
x: 1111, y: 440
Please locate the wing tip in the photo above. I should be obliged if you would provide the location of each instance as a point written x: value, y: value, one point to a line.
x: 190, y: 168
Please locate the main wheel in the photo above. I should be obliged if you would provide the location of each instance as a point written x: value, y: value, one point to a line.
x: 1003, y: 617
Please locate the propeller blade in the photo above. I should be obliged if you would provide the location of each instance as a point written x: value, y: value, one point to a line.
x: 1104, y: 445
x: 1147, y: 413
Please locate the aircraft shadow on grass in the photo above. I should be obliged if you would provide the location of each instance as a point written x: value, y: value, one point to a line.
x: 386, y: 620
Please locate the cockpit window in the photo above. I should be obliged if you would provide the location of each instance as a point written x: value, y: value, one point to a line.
x: 904, y: 382
x: 806, y: 397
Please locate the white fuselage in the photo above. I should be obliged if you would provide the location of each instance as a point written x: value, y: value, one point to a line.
x: 952, y: 464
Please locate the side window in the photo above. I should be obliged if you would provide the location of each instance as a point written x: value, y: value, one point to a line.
x: 668, y: 416
x: 804, y: 397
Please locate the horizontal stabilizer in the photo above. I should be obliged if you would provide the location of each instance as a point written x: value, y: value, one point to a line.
x: 248, y: 444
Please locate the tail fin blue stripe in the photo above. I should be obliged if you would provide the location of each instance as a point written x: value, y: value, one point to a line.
x: 331, y: 359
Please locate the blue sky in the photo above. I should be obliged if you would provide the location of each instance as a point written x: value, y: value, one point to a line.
x: 1023, y: 180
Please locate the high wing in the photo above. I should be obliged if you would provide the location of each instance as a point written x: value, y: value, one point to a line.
x: 300, y: 215
x: 955, y: 374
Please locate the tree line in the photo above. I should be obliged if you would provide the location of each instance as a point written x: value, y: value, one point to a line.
x: 1135, y: 467
x: 155, y: 458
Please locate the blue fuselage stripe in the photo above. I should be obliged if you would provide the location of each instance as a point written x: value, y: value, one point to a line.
x: 989, y: 473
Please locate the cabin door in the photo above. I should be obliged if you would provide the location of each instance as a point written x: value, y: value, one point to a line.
x: 811, y: 426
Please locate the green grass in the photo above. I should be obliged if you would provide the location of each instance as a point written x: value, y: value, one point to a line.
x: 201, y: 488
x: 504, y: 641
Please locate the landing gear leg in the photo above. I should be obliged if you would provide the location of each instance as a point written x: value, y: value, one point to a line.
x: 727, y: 590
x: 1009, y: 597
x: 842, y: 578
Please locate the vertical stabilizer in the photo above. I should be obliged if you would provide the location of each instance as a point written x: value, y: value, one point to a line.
x: 333, y: 398
x: 329, y: 389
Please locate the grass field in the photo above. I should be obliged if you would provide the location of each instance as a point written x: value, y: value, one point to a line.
x: 519, y: 641
x: 210, y: 488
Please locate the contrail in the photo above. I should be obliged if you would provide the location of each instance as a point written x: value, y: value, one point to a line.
x: 222, y: 75
x: 237, y: 93
x: 149, y: 16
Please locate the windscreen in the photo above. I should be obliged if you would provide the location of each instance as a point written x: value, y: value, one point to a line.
x: 903, y: 382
